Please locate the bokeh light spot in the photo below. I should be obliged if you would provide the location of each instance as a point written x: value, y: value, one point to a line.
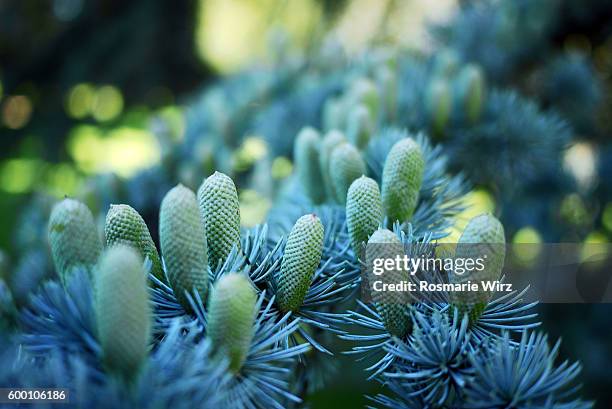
x: 124, y: 150
x: 476, y: 202
x: 80, y: 100
x: 580, y: 161
x: 253, y: 149
x: 19, y: 175
x: 17, y: 111
x: 230, y: 34
x: 253, y: 208
x: 107, y: 103
x: 281, y: 167
x: 595, y: 249
x: 573, y: 210
x: 62, y: 180
x: 528, y: 244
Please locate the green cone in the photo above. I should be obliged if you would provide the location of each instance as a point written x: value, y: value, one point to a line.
x: 74, y: 239
x: 302, y: 257
x: 364, y: 211
x: 220, y: 211
x: 401, y: 180
x: 439, y: 103
x: 387, y: 82
x: 231, y: 314
x: 333, y: 114
x: 360, y: 126
x: 393, y: 307
x: 123, y: 313
x: 364, y: 91
x: 482, y: 237
x: 306, y: 156
x: 125, y: 226
x: 330, y: 141
x: 472, y: 88
x: 183, y: 243
x: 347, y: 166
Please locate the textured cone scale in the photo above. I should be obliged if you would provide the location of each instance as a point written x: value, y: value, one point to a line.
x: 347, y: 165
x: 393, y: 307
x: 73, y: 237
x: 300, y: 261
x: 220, y: 211
x: 483, y: 237
x: 439, y: 104
x: 472, y: 91
x: 231, y: 314
x: 330, y: 141
x: 124, y: 225
x: 359, y: 126
x: 183, y: 243
x: 306, y: 155
x: 123, y: 314
x: 401, y: 180
x: 364, y: 211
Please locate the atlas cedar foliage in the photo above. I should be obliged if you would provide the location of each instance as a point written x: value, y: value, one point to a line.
x: 281, y: 292
x: 75, y: 242
x: 220, y: 211
x: 183, y: 243
x: 300, y: 261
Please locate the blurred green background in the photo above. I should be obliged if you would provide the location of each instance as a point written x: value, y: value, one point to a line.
x: 81, y: 80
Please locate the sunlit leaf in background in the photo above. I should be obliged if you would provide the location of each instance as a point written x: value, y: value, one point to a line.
x: 477, y: 202
x: 123, y: 150
x: 107, y: 103
x: 19, y: 175
x: 232, y: 33
x: 80, y: 100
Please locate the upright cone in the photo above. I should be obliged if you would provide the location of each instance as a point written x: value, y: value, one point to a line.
x: 183, y: 243
x: 364, y: 211
x: 220, y: 210
x: 332, y: 139
x: 74, y: 239
x: 231, y: 314
x: 302, y: 257
x: 393, y: 307
x: 124, y: 225
x: 347, y: 166
x: 401, y: 180
x: 483, y: 238
x: 306, y: 156
x: 123, y: 313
